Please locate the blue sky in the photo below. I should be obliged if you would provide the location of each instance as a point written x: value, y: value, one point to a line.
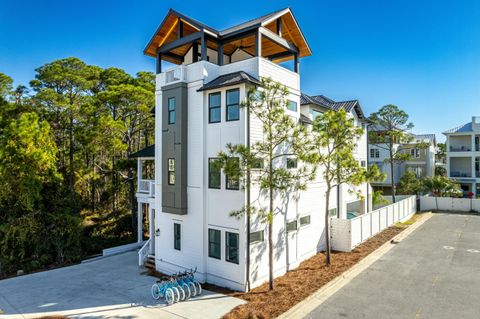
x: 423, y: 56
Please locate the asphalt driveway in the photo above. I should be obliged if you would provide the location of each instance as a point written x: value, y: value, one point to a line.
x: 433, y: 273
x: 108, y: 288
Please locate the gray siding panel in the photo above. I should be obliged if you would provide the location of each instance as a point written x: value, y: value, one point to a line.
x: 174, y: 145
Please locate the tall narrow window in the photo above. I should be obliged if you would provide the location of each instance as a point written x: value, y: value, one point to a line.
x: 233, y: 105
x: 171, y: 110
x: 231, y: 247
x: 214, y: 112
x: 292, y: 106
x: 171, y: 171
x: 214, y: 243
x: 177, y: 236
x: 233, y: 182
x: 213, y: 173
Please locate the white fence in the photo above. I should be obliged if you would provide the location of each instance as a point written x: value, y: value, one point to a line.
x: 450, y: 203
x: 346, y: 234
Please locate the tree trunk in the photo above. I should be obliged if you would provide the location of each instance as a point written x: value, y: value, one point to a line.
x: 327, y: 228
x: 391, y: 173
x: 131, y: 185
x: 71, y: 177
x: 270, y: 243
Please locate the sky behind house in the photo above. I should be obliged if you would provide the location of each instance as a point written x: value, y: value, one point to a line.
x: 423, y: 56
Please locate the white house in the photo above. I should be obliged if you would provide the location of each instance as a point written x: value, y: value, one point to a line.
x: 421, y: 161
x: 197, y: 113
x: 463, y: 155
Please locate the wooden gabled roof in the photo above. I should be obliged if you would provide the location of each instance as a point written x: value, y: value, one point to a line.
x: 168, y: 31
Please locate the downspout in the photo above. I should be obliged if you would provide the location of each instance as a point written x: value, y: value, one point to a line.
x: 248, y: 203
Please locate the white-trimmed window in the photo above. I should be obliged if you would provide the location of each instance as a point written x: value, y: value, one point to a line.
x: 374, y: 153
x: 257, y: 237
x: 305, y: 220
x: 292, y: 226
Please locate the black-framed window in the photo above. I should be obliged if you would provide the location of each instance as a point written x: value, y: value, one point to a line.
x: 257, y: 237
x: 214, y: 108
x: 214, y: 173
x: 291, y: 162
x: 233, y: 182
x: 305, y: 220
x: 233, y: 105
x: 214, y: 244
x: 171, y: 171
x: 231, y: 247
x: 177, y: 236
x: 363, y: 164
x: 292, y: 105
x: 171, y: 110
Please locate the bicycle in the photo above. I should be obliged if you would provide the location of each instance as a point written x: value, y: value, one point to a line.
x: 162, y: 289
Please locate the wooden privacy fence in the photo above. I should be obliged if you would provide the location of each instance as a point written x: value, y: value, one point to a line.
x: 346, y: 234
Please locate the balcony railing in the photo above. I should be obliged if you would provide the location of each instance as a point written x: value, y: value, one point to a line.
x: 460, y: 148
x: 147, y: 186
x: 460, y: 174
x: 174, y: 75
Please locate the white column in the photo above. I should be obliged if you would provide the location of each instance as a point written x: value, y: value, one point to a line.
x: 473, y: 167
x: 139, y: 172
x: 151, y: 230
x: 140, y: 222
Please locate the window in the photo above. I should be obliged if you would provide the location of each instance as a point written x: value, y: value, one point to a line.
x: 213, y: 173
x: 305, y: 220
x: 292, y: 106
x: 214, y: 244
x: 291, y: 163
x: 214, y: 112
x: 233, y: 105
x: 171, y: 110
x: 363, y: 163
x: 257, y: 237
x: 257, y: 163
x: 315, y: 113
x: 171, y: 171
x: 374, y: 153
x: 332, y: 212
x: 231, y: 247
x: 292, y: 226
x: 176, y: 236
x: 414, y: 152
x: 230, y: 181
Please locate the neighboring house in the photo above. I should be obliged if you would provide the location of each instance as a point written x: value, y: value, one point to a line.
x: 463, y: 155
x: 421, y: 161
x: 197, y: 113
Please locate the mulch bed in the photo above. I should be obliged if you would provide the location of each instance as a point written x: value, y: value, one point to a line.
x: 301, y: 282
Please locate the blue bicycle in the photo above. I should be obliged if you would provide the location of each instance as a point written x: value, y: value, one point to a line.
x: 165, y: 289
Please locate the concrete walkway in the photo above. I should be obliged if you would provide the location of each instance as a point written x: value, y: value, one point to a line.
x: 107, y: 288
x: 433, y: 273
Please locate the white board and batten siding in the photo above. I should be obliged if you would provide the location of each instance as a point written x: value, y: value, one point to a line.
x: 346, y: 234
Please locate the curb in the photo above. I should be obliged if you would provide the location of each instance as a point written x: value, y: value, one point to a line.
x: 306, y: 306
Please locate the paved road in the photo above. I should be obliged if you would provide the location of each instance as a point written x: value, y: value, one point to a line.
x: 433, y: 273
x: 108, y: 288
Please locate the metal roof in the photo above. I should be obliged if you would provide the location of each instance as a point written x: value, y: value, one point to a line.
x: 229, y: 80
x: 148, y: 151
x: 465, y: 128
x: 323, y: 101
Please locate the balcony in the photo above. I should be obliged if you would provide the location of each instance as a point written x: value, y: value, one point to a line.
x: 146, y: 186
x: 460, y: 174
x: 461, y: 148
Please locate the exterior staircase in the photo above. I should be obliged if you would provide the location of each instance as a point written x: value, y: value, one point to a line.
x: 150, y: 262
